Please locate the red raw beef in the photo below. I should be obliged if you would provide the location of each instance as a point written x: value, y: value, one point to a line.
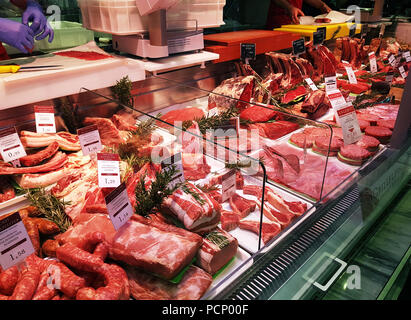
x: 275, y: 130
x: 109, y: 134
x: 294, y: 94
x: 195, y: 166
x: 242, y: 206
x: 218, y: 179
x: 258, y: 114
x: 269, y: 230
x: 124, y: 120
x: 272, y: 214
x: 193, y: 285
x: 229, y: 220
x: 155, y: 247
x: 354, y: 88
x: 83, y: 55
x: 181, y: 115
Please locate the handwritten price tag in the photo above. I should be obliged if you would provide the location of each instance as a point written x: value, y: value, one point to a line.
x: 45, y: 122
x: 11, y: 147
x: 229, y: 185
x: 90, y: 140
x: 373, y: 62
x: 15, y: 244
x: 119, y: 207
x: 108, y: 165
x: 311, y: 84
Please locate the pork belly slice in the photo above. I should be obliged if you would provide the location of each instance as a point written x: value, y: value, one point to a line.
x: 155, y: 247
x: 218, y: 248
x: 218, y: 179
x: 193, y: 286
x: 242, y: 206
x: 196, y: 216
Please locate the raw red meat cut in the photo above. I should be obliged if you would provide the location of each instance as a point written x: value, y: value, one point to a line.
x: 218, y: 179
x: 269, y: 230
x: 353, y: 88
x: 322, y: 20
x: 326, y: 146
x: 83, y: 55
x: 181, y: 115
x: 305, y: 66
x: 258, y: 114
x: 270, y: 86
x: 390, y: 124
x: 283, y: 63
x: 124, y: 120
x: 229, y: 220
x: 353, y: 154
x: 294, y: 94
x: 229, y: 93
x: 275, y: 130
x: 275, y: 216
x: 155, y: 247
x: 242, y: 206
x: 316, y: 104
x: 195, y: 166
x: 363, y: 124
x: 218, y: 248
x: 37, y: 158
x: 6, y: 190
x: 301, y: 140
x: 193, y: 286
x: 196, y: 217
x: 369, y: 143
x: 109, y: 134
x: 383, y: 134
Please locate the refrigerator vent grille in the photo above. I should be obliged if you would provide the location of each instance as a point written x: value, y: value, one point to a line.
x: 280, y: 266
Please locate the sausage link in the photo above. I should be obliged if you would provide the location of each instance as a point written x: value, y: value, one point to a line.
x: 27, y: 285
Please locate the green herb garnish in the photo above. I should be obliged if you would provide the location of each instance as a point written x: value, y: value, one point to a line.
x: 50, y: 207
x: 194, y: 194
x: 218, y: 239
x: 122, y: 92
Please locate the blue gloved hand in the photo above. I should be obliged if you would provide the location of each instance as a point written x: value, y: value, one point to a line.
x: 16, y: 35
x: 39, y: 23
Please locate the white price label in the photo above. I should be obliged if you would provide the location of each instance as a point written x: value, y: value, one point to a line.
x: 11, y: 147
x: 403, y: 72
x: 119, y: 207
x: 229, y: 185
x: 389, y: 77
x: 311, y: 84
x: 392, y: 60
x: 351, y: 75
x: 330, y: 83
x: 373, y: 62
x: 108, y: 165
x: 407, y: 56
x: 15, y: 243
x: 177, y: 161
x: 347, y: 118
x: 337, y: 100
x: 90, y: 140
x: 45, y: 122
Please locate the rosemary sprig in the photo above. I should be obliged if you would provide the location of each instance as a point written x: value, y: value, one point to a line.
x: 50, y: 207
x: 194, y: 194
x: 218, y: 239
x: 207, y: 188
x: 149, y: 200
x: 145, y: 127
x: 122, y: 91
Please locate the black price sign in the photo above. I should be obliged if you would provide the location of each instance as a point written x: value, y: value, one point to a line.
x: 248, y: 51
x: 353, y: 29
x: 324, y: 31
x: 298, y: 47
x: 318, y: 38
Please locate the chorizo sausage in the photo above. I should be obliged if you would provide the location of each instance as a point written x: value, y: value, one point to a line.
x: 27, y: 285
x: 8, y: 280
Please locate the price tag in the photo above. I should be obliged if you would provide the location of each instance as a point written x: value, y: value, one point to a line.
x: 403, y: 71
x: 311, y: 84
x: 229, y: 185
x: 15, y: 244
x: 406, y: 55
x: 119, y: 207
x: 108, y: 165
x: 90, y: 140
x: 177, y: 161
x: 392, y: 60
x: 330, y: 83
x: 45, y: 122
x: 324, y: 31
x: 229, y: 128
x: 351, y: 75
x: 248, y: 52
x: 353, y: 29
x: 11, y: 147
x: 347, y: 118
x: 373, y: 62
x: 337, y: 99
x: 298, y: 47
x: 318, y: 37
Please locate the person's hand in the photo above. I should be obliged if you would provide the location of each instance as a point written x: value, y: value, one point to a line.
x: 39, y: 24
x: 16, y: 35
x: 325, y: 9
x: 294, y: 14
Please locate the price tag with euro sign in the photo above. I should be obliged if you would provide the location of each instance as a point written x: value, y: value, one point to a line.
x: 298, y: 47
x: 11, y: 147
x: 119, y: 207
x: 373, y: 62
x: 90, y: 140
x: 15, y: 243
x: 248, y: 52
x: 45, y: 122
x: 229, y: 185
x: 108, y: 165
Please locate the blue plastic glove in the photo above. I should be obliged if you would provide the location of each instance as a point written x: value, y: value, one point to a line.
x: 39, y: 23
x: 16, y: 35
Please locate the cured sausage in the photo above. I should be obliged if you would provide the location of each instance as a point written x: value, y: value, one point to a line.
x: 33, y: 233
x: 45, y: 226
x: 39, y: 157
x: 27, y: 285
x: 44, y: 291
x: 8, y: 280
x: 49, y: 248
